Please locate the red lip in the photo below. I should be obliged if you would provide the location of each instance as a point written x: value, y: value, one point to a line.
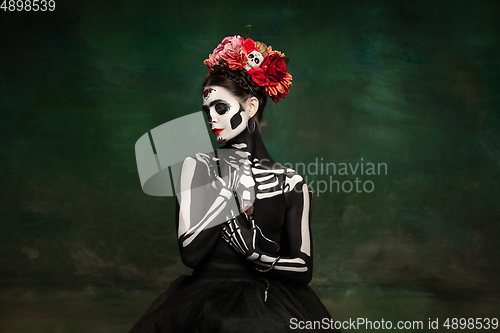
x: 217, y: 130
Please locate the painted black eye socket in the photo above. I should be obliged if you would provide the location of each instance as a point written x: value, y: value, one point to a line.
x: 221, y: 108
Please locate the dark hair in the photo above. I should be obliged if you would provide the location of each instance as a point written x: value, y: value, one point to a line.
x: 240, y: 84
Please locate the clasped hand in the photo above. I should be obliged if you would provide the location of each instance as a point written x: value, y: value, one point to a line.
x: 241, y: 234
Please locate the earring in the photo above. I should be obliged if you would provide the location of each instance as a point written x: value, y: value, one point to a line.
x: 254, y: 125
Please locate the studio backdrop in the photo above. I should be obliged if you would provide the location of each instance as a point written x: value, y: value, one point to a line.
x: 392, y: 119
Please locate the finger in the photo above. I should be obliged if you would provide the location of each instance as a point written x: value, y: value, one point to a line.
x: 228, y: 229
x: 238, y: 241
x: 243, y: 243
x: 237, y: 224
x: 232, y: 236
x: 224, y: 236
x: 232, y: 245
x: 232, y: 226
x: 239, y: 248
x: 254, y: 233
x: 228, y: 233
x: 236, y: 247
x: 230, y: 241
x: 225, y: 232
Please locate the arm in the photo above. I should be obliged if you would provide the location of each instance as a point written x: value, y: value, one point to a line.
x: 297, y: 266
x: 204, y: 202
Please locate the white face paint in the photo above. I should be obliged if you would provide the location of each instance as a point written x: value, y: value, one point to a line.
x: 224, y: 112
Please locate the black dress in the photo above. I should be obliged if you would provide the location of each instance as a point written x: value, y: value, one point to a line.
x: 226, y: 293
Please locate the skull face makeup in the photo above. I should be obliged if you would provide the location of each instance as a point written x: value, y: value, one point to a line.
x: 225, y: 113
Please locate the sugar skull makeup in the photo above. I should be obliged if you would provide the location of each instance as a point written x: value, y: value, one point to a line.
x: 224, y: 113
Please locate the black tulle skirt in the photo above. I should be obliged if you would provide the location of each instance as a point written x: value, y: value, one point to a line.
x: 231, y: 297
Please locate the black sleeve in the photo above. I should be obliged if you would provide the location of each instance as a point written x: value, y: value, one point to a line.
x: 297, y: 266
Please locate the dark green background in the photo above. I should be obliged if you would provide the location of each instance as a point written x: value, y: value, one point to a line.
x: 414, y: 85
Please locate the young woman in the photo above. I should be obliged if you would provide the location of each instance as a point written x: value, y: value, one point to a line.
x: 243, y: 219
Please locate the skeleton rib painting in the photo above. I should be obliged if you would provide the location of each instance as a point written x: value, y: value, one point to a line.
x: 242, y: 218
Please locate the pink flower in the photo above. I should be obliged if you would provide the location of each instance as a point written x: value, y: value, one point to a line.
x: 234, y: 59
x: 228, y: 44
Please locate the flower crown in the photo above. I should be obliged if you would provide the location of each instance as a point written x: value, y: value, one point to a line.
x: 267, y: 67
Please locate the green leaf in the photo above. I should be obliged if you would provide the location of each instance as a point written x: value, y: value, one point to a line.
x: 246, y: 31
x: 287, y: 60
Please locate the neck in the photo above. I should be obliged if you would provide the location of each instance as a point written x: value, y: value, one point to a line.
x: 253, y: 143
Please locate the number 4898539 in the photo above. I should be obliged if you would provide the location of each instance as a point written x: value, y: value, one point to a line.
x: 28, y: 5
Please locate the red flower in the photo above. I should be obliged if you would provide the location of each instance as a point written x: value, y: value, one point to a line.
x: 279, y: 80
x: 249, y: 46
x: 275, y: 68
x: 258, y: 76
x: 279, y: 90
